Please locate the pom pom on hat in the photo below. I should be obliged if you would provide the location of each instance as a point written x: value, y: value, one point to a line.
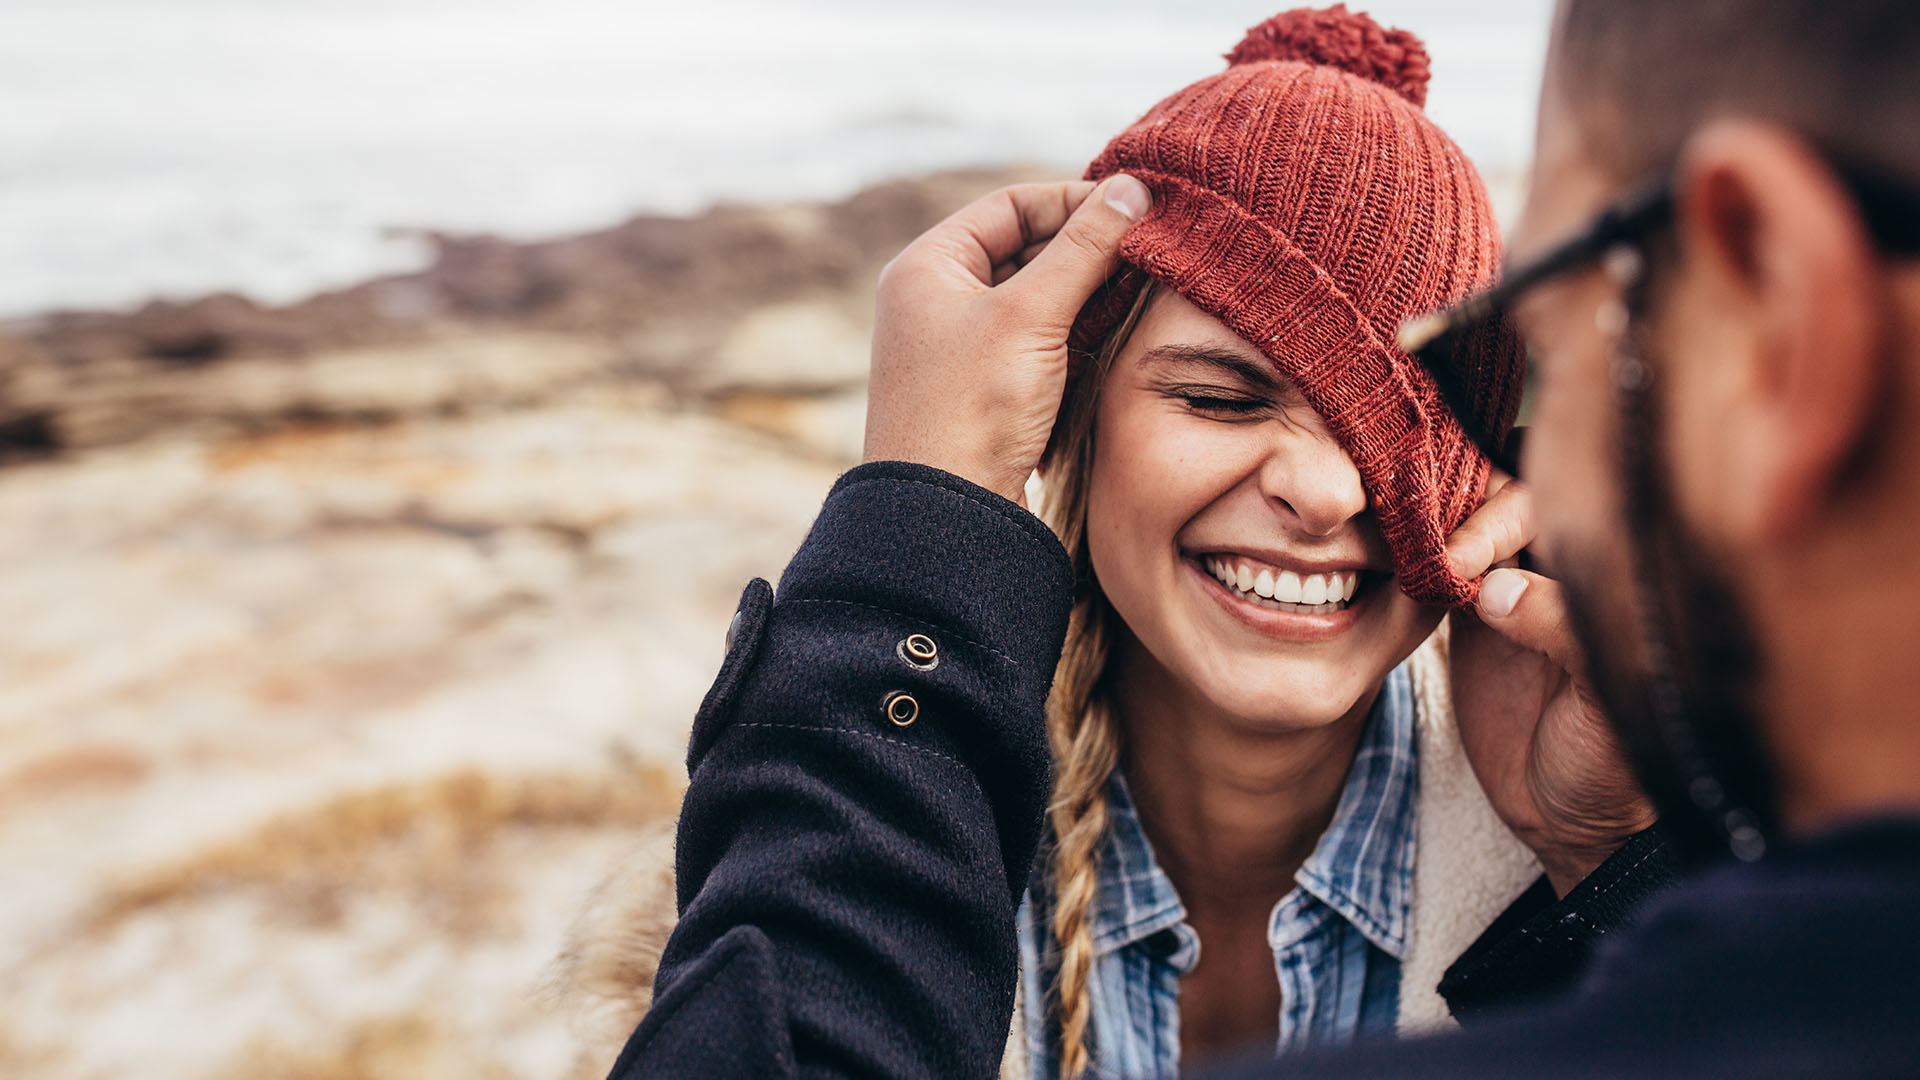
x: 1338, y: 38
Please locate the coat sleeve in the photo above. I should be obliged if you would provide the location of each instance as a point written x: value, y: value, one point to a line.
x: 868, y: 777
x: 1539, y: 945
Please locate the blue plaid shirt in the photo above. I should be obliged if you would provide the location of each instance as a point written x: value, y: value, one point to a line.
x: 1338, y: 938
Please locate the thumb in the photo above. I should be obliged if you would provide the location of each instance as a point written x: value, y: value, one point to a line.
x: 1057, y: 283
x: 1531, y: 611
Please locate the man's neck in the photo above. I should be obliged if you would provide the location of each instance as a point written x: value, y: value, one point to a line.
x: 1841, y: 693
x: 1232, y: 812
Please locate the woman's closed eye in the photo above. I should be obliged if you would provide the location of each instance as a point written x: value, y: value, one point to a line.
x: 1220, y: 403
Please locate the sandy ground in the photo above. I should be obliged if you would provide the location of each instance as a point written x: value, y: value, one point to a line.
x: 345, y: 658
x: 323, y: 736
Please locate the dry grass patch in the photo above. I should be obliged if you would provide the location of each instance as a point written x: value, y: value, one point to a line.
x: 20, y: 1058
x: 427, y: 842
x: 403, y: 1047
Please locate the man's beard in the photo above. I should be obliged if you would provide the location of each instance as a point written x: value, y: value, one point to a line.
x: 1672, y: 659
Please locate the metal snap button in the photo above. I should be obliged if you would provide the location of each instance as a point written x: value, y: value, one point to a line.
x: 901, y: 708
x: 919, y: 652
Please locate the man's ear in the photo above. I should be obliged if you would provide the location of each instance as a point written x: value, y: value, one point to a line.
x: 1771, y: 233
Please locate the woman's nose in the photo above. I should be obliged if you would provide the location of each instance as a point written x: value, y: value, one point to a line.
x: 1311, y: 478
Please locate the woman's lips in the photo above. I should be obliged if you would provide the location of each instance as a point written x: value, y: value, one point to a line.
x: 1266, y: 584
x: 1295, y: 621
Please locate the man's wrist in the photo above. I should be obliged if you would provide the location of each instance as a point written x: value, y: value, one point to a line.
x: 1567, y: 868
x: 1570, y: 855
x: 989, y: 476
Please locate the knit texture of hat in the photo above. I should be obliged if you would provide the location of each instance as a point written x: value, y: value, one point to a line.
x: 1303, y: 198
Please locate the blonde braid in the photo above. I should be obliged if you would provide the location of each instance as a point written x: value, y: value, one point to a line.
x: 1080, y: 724
x: 1087, y: 747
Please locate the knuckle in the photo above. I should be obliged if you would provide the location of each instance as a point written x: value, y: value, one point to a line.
x: 1473, y: 541
x: 892, y: 274
x: 1019, y: 194
x: 1080, y: 241
x: 1485, y: 553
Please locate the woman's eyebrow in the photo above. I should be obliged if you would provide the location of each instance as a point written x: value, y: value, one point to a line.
x: 1259, y: 372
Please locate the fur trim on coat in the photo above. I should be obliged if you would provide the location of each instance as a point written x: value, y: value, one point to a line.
x: 1467, y: 866
x: 602, y: 981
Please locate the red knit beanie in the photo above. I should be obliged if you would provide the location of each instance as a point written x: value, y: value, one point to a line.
x: 1303, y: 198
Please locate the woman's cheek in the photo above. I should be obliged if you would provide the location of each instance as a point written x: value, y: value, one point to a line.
x: 1191, y: 462
x: 1161, y: 474
x: 1147, y: 482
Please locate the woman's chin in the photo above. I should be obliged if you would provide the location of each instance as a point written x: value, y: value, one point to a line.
x: 1284, y: 705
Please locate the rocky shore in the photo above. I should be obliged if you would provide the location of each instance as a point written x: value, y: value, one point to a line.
x: 352, y: 644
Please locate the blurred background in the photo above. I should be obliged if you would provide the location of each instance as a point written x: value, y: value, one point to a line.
x: 394, y: 397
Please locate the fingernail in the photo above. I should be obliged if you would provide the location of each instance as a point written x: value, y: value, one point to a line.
x: 1129, y: 196
x: 1500, y: 593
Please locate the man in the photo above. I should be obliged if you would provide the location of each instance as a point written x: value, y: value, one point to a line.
x: 1725, y: 462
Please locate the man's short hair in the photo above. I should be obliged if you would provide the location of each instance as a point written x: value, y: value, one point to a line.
x: 1642, y: 74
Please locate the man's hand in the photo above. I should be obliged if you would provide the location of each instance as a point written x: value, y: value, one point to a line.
x: 970, y: 338
x: 1533, y: 731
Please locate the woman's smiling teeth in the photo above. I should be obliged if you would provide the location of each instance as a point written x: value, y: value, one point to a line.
x: 1314, y: 594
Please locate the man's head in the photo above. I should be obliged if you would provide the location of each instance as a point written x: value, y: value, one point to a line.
x: 1759, y: 552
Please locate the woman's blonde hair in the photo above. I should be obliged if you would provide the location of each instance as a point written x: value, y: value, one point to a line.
x: 1081, y: 728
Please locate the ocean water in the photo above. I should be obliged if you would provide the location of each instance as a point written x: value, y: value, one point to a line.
x: 168, y: 148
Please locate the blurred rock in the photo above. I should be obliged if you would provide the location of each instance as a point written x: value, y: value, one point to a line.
x: 338, y: 725
x: 797, y: 347
x: 119, y: 403
x: 828, y: 425
x: 773, y: 298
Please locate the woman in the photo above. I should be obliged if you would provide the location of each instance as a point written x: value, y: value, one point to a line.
x: 1263, y: 827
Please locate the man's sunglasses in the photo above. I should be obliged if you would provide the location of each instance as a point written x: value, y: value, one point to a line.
x: 1445, y: 342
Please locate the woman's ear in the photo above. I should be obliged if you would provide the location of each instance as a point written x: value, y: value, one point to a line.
x: 1779, y: 324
